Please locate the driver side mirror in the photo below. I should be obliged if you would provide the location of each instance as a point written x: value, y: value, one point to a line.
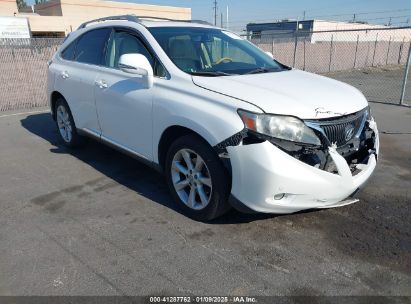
x: 137, y: 64
x: 270, y: 54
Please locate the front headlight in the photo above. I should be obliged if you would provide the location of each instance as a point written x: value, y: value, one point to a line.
x: 278, y: 126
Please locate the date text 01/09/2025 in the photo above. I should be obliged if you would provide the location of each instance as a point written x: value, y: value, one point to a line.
x: 200, y: 299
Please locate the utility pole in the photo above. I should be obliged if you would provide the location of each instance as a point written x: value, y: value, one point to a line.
x: 303, y: 15
x: 353, y: 19
x: 221, y: 20
x: 215, y: 12
x: 227, y: 24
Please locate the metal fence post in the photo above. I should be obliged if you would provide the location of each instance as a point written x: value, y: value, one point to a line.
x: 356, y: 50
x: 400, y: 51
x: 272, y: 44
x: 295, y: 49
x: 375, y: 48
x: 388, y: 51
x: 404, y: 82
x: 305, y: 39
x: 331, y: 52
x: 368, y: 54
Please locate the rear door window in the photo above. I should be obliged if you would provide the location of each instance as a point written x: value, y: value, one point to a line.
x: 90, y: 46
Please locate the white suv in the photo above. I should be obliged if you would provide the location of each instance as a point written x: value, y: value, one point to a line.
x: 225, y: 123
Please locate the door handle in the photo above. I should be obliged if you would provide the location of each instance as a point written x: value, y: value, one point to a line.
x: 65, y: 75
x: 101, y: 84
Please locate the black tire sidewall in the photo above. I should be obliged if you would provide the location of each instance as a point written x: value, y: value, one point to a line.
x: 221, y: 184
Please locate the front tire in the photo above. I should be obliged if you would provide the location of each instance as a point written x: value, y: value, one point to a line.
x: 66, y: 126
x: 197, y: 179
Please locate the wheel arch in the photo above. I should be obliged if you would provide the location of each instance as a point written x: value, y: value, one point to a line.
x: 55, y: 95
x: 173, y: 132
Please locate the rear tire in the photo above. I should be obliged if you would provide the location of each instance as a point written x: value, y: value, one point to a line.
x: 198, y: 181
x: 66, y: 126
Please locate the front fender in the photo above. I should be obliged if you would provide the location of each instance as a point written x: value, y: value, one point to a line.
x: 181, y: 103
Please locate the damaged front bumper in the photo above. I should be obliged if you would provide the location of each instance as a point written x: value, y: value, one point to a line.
x: 267, y: 179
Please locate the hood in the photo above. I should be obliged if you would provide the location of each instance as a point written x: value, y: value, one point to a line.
x: 293, y: 92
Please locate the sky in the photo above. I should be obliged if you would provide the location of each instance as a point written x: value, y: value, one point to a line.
x: 242, y: 12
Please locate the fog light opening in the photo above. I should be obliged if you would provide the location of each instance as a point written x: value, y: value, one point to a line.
x: 279, y: 196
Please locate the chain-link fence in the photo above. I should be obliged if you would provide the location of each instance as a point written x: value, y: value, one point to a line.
x: 23, y: 71
x: 373, y: 60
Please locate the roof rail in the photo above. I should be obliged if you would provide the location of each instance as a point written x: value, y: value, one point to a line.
x: 200, y: 22
x: 131, y: 18
x: 176, y: 20
x: 137, y: 19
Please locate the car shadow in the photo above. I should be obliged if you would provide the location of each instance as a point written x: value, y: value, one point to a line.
x: 122, y: 168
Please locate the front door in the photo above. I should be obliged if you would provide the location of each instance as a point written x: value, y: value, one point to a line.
x: 124, y: 104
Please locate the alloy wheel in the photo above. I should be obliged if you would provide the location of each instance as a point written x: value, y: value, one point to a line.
x: 191, y: 179
x: 64, y: 123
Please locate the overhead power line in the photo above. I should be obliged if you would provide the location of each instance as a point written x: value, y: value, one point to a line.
x: 315, y: 17
x: 283, y: 16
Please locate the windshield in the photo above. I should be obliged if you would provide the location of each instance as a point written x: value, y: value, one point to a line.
x: 213, y: 52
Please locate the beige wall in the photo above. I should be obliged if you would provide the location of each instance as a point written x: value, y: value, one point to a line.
x: 66, y: 15
x: 92, y: 9
x: 8, y: 7
x: 49, y: 24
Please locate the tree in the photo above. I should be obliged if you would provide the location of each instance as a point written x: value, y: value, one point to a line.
x: 21, y: 4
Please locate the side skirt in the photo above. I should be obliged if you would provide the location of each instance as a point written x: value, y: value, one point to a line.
x: 93, y: 135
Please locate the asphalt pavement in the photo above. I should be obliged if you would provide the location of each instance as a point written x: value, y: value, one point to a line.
x: 96, y: 222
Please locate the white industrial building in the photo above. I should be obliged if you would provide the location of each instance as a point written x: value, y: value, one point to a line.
x: 322, y: 30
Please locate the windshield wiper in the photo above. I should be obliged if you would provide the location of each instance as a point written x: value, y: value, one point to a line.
x: 210, y: 74
x: 261, y: 70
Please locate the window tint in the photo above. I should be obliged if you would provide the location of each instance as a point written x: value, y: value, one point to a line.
x: 212, y: 51
x: 159, y: 69
x: 121, y: 43
x: 68, y: 52
x: 90, y: 46
x: 124, y: 43
x: 184, y: 53
x: 219, y: 49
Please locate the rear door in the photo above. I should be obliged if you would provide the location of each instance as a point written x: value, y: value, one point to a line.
x: 77, y: 70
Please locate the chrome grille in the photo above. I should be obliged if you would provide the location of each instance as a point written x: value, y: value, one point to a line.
x: 335, y: 129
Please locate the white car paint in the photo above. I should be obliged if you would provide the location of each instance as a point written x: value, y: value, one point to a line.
x: 118, y: 107
x: 310, y: 96
x: 123, y: 104
x: 75, y: 82
x: 268, y: 172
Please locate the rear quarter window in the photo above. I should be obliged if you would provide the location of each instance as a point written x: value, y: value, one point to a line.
x: 69, y: 52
